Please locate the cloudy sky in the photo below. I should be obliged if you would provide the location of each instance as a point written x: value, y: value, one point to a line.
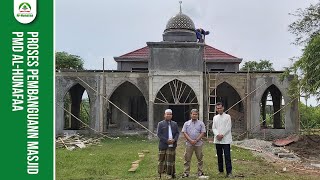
x: 248, y: 29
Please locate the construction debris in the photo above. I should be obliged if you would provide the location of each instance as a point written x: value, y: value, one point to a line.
x: 315, y: 165
x: 266, y: 149
x: 308, y: 147
x: 285, y: 141
x: 71, y: 142
x: 301, y: 155
x: 251, y: 149
x: 276, y: 152
x: 286, y: 155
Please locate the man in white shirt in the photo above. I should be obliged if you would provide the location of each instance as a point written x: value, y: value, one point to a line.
x: 221, y: 128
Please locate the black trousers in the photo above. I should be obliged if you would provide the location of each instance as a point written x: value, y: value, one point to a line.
x: 224, y: 149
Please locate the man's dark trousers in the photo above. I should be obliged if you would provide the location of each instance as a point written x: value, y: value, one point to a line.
x: 224, y: 149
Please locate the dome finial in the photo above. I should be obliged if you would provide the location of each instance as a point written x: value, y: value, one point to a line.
x: 180, y: 7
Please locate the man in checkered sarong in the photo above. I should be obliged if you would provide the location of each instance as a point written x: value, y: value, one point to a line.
x: 168, y: 134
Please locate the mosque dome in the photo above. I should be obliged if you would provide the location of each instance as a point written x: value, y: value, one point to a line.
x: 180, y: 21
x: 180, y: 28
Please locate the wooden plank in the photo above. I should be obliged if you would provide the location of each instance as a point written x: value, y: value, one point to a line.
x: 136, y: 162
x: 133, y: 168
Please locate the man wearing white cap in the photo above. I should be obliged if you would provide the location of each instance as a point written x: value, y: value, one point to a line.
x: 168, y: 134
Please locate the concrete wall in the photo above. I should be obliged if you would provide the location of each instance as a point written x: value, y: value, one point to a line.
x: 123, y: 96
x: 168, y: 56
x: 113, y: 82
x: 115, y: 79
x: 174, y: 60
x: 94, y: 83
x: 157, y: 81
x: 194, y: 82
x: 150, y: 83
x: 127, y: 66
x: 227, y: 67
x: 238, y: 82
x: 291, y: 117
x: 64, y: 81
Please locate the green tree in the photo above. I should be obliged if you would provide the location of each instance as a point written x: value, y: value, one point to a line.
x: 306, y: 69
x: 307, y: 25
x: 67, y: 106
x: 65, y: 60
x: 84, y: 112
x: 309, y: 66
x: 309, y: 116
x: 262, y: 65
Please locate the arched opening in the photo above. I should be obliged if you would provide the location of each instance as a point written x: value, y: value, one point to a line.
x: 131, y: 100
x: 77, y: 102
x: 271, y: 102
x: 228, y: 96
x: 177, y: 96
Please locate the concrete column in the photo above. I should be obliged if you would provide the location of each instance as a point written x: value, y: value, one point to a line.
x: 263, y: 108
x: 150, y: 107
x: 291, y: 121
x: 150, y: 118
x: 200, y: 99
x: 296, y: 117
x: 59, y: 117
x: 95, y: 113
x: 248, y: 105
x: 102, y: 104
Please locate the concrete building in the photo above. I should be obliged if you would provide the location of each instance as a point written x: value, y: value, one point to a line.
x: 180, y: 73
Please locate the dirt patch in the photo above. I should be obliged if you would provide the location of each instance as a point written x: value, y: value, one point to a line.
x: 306, y: 152
x: 307, y: 147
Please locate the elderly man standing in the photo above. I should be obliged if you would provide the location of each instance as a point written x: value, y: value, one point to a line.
x: 221, y: 128
x: 193, y: 131
x: 168, y: 134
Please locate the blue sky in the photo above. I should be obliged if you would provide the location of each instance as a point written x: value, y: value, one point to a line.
x: 247, y: 29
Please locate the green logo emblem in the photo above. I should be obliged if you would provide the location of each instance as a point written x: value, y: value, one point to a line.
x: 24, y: 7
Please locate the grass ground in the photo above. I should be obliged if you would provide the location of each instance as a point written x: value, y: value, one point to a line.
x: 112, y: 159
